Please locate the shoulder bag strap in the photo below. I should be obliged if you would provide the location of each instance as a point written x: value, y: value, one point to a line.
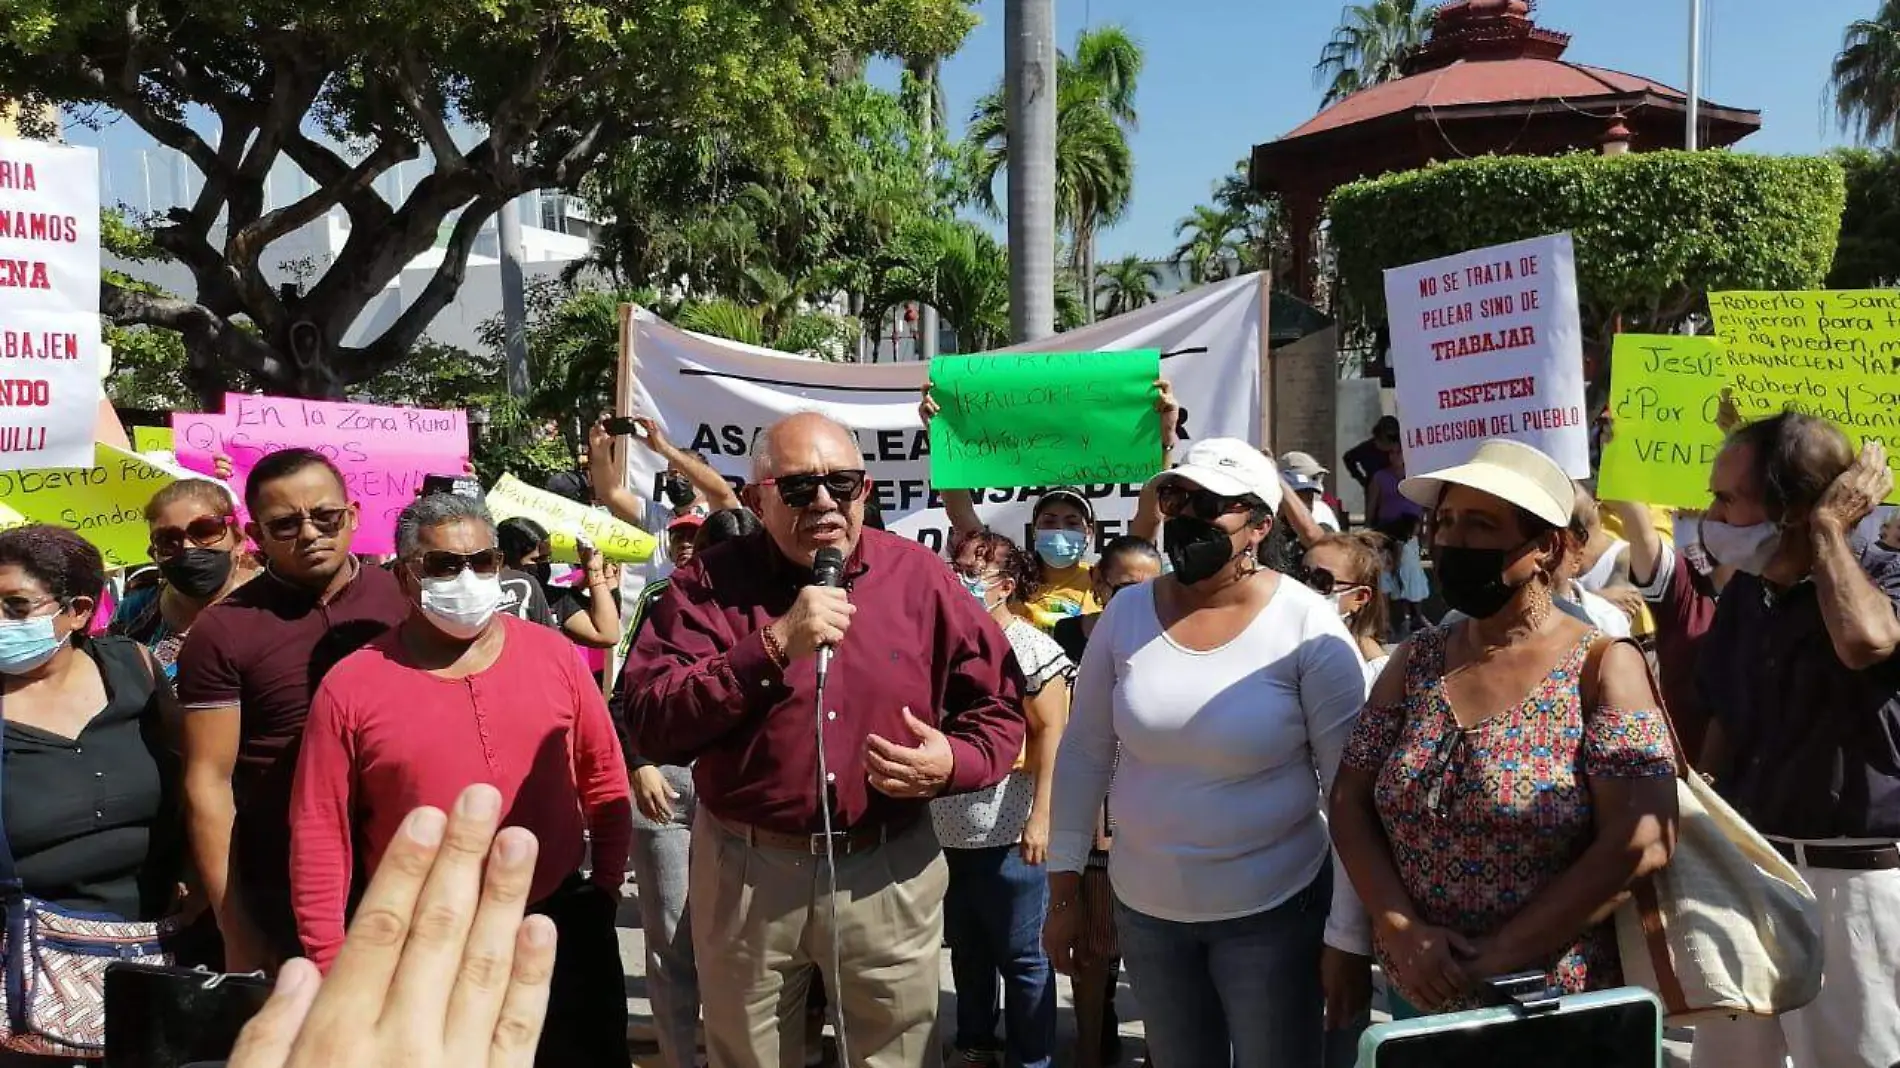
x: 1589, y: 690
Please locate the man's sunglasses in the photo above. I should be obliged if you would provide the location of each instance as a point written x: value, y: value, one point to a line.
x: 799, y: 491
x: 443, y: 564
x: 1178, y: 499
x: 204, y: 532
x: 1325, y: 583
x: 287, y: 527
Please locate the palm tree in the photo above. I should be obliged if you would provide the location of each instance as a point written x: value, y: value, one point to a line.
x: 1095, y: 113
x: 1128, y: 283
x: 1208, y: 243
x: 1371, y: 45
x: 1866, y: 80
x: 1029, y: 30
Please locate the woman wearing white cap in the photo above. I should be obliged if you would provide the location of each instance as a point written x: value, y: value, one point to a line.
x: 1230, y: 690
x: 1489, y: 813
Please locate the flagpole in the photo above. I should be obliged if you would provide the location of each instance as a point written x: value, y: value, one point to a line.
x: 1693, y: 132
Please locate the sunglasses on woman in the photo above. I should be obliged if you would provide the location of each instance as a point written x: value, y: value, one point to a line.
x: 203, y: 532
x: 1178, y: 499
x: 1325, y: 583
x: 443, y: 564
x: 799, y: 491
x: 327, y: 522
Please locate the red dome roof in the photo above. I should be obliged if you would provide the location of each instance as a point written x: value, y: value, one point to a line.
x: 1496, y: 81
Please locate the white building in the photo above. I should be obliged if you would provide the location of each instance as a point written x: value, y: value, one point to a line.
x: 556, y: 231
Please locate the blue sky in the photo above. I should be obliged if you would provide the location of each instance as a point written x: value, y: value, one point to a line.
x: 1223, y: 75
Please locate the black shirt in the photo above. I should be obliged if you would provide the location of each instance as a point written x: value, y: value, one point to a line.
x: 522, y: 598
x: 1815, y: 744
x: 95, y: 822
x: 1068, y: 634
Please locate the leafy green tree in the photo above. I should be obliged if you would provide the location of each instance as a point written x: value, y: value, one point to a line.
x: 719, y: 225
x: 1095, y: 167
x: 499, y: 97
x: 1654, y: 232
x: 1371, y: 45
x: 1127, y: 284
x: 1210, y: 241
x: 1869, y: 252
x: 1865, y: 84
x: 1265, y: 244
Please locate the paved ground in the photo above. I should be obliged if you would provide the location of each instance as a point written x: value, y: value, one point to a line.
x: 646, y: 1052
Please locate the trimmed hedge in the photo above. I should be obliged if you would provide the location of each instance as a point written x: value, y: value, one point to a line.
x: 1654, y: 231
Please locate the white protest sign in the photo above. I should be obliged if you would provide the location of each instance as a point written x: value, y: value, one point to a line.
x: 50, y: 348
x: 716, y: 396
x: 1488, y: 344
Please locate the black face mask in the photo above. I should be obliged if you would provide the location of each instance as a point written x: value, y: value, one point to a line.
x: 1472, y: 580
x: 1197, y: 549
x: 677, y: 490
x: 542, y: 570
x: 197, y: 573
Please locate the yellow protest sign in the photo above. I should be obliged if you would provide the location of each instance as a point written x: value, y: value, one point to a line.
x: 621, y: 542
x: 1665, y: 391
x: 104, y: 503
x: 152, y: 438
x: 1833, y: 355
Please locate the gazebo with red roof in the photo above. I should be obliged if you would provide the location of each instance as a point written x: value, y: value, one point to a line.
x: 1488, y: 80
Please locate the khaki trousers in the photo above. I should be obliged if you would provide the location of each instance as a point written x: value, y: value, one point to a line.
x: 761, y: 926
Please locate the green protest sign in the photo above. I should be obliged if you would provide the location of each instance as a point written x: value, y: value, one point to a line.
x: 1044, y: 419
x: 1665, y: 391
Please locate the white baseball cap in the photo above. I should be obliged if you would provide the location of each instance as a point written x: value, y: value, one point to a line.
x: 1512, y: 472
x: 1229, y: 467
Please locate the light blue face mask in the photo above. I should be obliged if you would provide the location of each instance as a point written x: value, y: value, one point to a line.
x: 978, y: 588
x: 27, y: 643
x: 1061, y: 548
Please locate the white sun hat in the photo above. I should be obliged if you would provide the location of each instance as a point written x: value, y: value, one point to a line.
x: 1512, y: 472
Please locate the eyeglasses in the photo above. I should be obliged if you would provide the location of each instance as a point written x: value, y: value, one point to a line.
x: 1447, y: 768
x: 1177, y: 499
x: 799, y: 491
x: 443, y: 564
x: 287, y: 527
x: 1325, y: 583
x: 18, y: 608
x: 204, y: 532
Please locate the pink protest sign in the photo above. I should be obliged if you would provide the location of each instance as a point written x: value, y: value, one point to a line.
x: 384, y: 453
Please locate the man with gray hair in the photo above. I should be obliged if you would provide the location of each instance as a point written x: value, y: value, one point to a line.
x: 460, y: 694
x: 924, y: 698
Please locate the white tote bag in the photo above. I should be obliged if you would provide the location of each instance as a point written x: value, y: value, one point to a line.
x: 1729, y: 927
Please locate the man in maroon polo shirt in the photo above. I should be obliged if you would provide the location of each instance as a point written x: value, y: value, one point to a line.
x: 245, y: 676
x: 924, y: 698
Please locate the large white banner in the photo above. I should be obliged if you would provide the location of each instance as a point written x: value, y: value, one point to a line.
x: 716, y: 396
x: 50, y: 348
x: 1488, y: 344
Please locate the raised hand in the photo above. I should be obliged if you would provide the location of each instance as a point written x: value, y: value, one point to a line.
x: 439, y: 969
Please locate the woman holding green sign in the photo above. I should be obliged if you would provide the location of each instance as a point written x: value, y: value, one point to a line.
x: 1062, y: 526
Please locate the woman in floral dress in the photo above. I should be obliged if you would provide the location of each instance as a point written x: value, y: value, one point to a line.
x: 1489, y: 820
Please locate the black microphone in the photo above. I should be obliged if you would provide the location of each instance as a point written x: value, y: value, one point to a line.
x: 827, y: 569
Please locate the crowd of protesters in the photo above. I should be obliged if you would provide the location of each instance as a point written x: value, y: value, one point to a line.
x: 1253, y: 753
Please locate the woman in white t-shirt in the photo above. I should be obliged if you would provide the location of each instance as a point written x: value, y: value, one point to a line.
x: 995, y: 840
x: 1231, y: 691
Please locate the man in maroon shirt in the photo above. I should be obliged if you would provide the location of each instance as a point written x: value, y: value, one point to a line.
x: 924, y: 698
x: 460, y: 693
x: 246, y: 674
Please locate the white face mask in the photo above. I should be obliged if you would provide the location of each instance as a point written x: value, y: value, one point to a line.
x: 461, y: 607
x: 1746, y: 549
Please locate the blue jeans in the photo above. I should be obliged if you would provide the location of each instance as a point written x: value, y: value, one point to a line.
x: 1244, y: 992
x: 992, y: 918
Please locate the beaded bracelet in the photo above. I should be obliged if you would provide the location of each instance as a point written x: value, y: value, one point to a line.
x: 773, y: 649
